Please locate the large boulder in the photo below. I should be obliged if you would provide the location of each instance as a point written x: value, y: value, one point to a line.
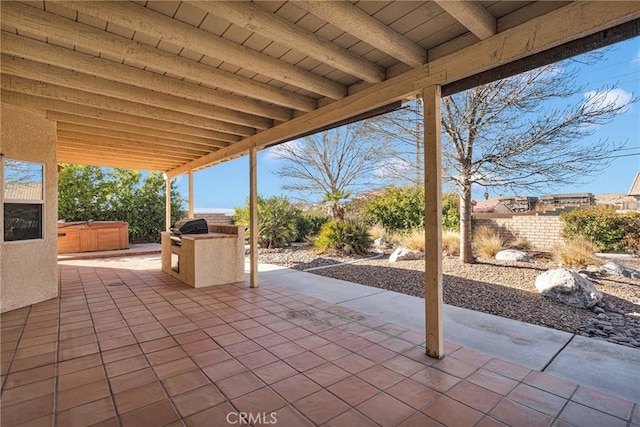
x: 404, y: 254
x: 615, y: 269
x: 568, y: 287
x: 512, y: 255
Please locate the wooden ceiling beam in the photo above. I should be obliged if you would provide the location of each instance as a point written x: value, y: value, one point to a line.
x: 106, y: 145
x: 576, y: 20
x: 258, y: 20
x: 87, y: 157
x: 147, y: 21
x: 61, y: 57
x: 87, y: 83
x: 132, y: 136
x: 472, y: 15
x: 44, y: 24
x: 360, y: 24
x: 47, y: 90
x: 109, y: 126
x: 49, y: 106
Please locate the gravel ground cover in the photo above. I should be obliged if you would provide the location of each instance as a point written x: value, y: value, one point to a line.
x: 502, y: 288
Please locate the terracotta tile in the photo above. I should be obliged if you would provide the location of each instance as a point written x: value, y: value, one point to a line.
x: 419, y: 354
x: 584, y: 416
x: 115, y: 343
x: 403, y: 365
x: 377, y: 353
x: 219, y: 330
x: 30, y: 376
x: 185, y: 382
x: 201, y: 346
x: 286, y: 349
x: 537, y: 399
x: 492, y: 381
x: 167, y: 355
x: 46, y: 421
x: 243, y: 347
x: 12, y: 345
x: 175, y: 367
x: 475, y: 396
x: 353, y: 363
x: 274, y: 372
x: 257, y: 332
x: 210, y: 357
x: 311, y: 342
x: 353, y: 390
x: 507, y: 369
x: 455, y: 367
x: 33, y: 362
x: 257, y: 359
x: 158, y: 414
x: 321, y: 406
x: 354, y: 343
x: 271, y: 340
x: 295, y: 333
x: 603, y: 402
x: 263, y: 400
x: 280, y: 326
x: 240, y: 384
x: 350, y: 418
x: 198, y: 400
x: 120, y: 353
x: 386, y: 410
x: 470, y: 356
x: 551, y: 384
x: 327, y: 374
x: 79, y: 351
x: 515, y: 414
x: 215, y: 416
x: 490, y: 422
x: 15, y: 395
x: 27, y: 411
x: 219, y: 371
x: 79, y: 364
x: 155, y: 334
x: 449, y: 412
x: 131, y: 380
x: 413, y: 394
x: 229, y: 339
x: 87, y: 414
x: 76, y: 341
x: 81, y: 395
x: 420, y: 420
x: 304, y: 361
x: 435, y: 379
x: 295, y: 387
x: 121, y: 367
x: 158, y: 344
x: 331, y: 351
x: 396, y: 344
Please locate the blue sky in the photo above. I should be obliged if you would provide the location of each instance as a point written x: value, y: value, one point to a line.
x: 227, y: 185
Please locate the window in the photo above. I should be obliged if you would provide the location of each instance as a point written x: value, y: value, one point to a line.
x: 23, y: 200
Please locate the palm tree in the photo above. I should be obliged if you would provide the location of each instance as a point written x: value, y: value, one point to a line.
x: 335, y: 197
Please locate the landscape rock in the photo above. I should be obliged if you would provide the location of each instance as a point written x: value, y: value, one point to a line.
x: 404, y: 254
x: 568, y: 287
x: 615, y: 269
x: 512, y: 255
x: 380, y: 241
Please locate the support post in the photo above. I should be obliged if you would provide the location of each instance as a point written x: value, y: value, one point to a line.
x: 433, y: 222
x: 190, y: 214
x: 253, y: 219
x: 167, y: 201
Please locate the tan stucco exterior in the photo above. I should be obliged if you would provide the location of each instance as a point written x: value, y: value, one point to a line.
x: 28, y: 269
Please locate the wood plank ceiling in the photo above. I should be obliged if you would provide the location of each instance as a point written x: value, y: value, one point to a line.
x: 178, y: 85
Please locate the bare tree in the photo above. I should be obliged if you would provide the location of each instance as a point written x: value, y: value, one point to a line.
x: 505, y: 135
x: 333, y: 164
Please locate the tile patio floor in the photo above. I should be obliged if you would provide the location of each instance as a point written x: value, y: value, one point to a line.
x: 126, y: 347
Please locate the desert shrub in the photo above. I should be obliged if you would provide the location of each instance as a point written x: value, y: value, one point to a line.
x: 451, y: 211
x: 451, y: 242
x: 276, y: 221
x: 608, y: 230
x: 413, y: 240
x: 486, y: 242
x: 376, y: 230
x: 396, y: 209
x: 576, y: 252
x: 308, y: 225
x: 344, y: 236
x: 521, y: 243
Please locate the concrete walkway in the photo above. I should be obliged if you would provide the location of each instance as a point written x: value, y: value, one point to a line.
x: 597, y: 364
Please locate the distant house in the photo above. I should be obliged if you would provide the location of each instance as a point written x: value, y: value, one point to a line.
x: 632, y: 200
x: 519, y: 203
x: 490, y: 206
x: 570, y: 199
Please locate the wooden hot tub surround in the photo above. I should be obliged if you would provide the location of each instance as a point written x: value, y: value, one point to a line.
x: 91, y: 236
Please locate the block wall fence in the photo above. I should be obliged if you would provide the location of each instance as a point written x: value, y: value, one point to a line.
x: 215, y: 218
x: 542, y: 231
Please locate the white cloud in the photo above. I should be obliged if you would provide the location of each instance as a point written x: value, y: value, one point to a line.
x: 278, y: 152
x: 391, y: 170
x: 614, y: 97
x: 636, y: 57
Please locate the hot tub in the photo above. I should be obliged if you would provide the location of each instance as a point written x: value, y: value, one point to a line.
x: 74, y: 237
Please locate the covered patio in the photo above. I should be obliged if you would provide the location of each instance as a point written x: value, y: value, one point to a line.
x: 129, y: 345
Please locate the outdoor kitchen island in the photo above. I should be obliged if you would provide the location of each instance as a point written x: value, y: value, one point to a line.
x: 200, y: 260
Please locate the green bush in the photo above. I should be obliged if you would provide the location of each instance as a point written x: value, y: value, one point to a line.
x: 277, y: 219
x: 345, y: 236
x: 309, y: 224
x: 402, y: 210
x: 608, y: 230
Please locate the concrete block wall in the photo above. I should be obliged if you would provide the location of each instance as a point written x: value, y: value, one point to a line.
x: 542, y: 231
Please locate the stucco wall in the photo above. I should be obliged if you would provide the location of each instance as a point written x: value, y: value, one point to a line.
x: 542, y: 231
x: 29, y: 271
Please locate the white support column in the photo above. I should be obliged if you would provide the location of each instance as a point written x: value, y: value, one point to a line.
x: 433, y: 222
x: 253, y: 218
x: 167, y: 202
x: 190, y: 214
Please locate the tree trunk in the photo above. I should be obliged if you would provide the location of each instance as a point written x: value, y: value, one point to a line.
x: 466, y: 255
